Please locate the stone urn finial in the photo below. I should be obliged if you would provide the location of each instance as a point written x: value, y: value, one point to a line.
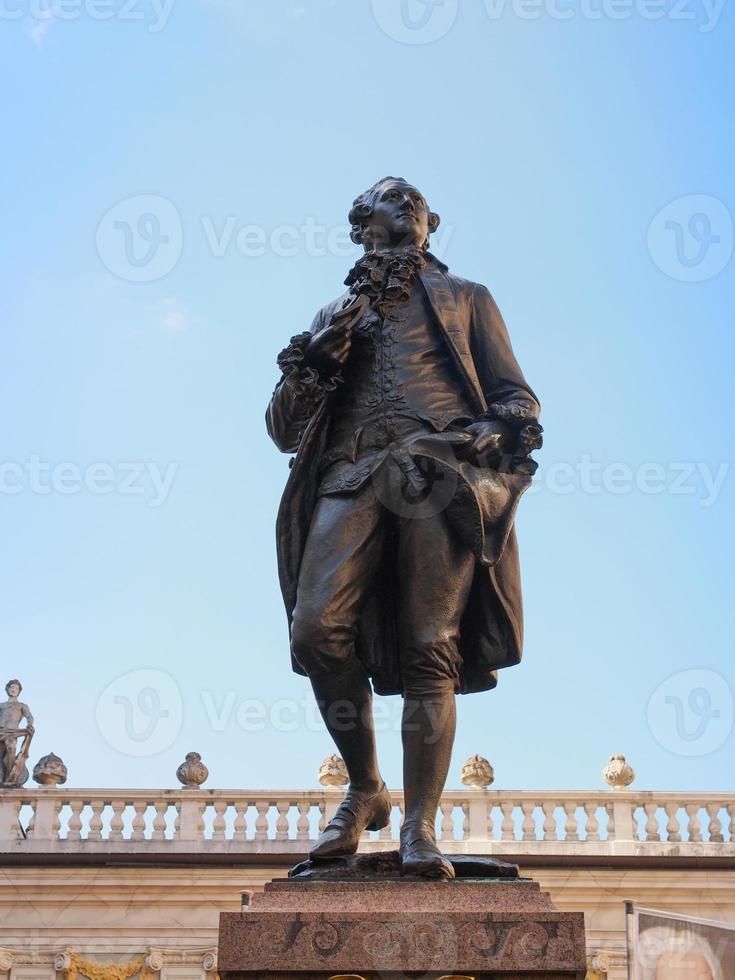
x: 50, y: 771
x: 477, y: 772
x: 192, y: 772
x: 617, y: 773
x: 333, y: 772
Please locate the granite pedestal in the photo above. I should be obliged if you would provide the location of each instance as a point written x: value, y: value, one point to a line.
x: 388, y: 928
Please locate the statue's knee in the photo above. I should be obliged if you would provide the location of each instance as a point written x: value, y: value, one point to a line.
x: 310, y: 640
x: 430, y: 662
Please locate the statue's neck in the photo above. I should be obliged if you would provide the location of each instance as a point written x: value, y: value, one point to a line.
x: 394, y: 247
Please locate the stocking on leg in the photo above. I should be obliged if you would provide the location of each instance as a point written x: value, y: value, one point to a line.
x: 429, y: 723
x: 345, y: 702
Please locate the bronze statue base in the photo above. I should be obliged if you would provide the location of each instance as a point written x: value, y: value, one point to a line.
x: 384, y: 865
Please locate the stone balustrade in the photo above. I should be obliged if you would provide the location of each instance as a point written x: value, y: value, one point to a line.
x: 50, y: 820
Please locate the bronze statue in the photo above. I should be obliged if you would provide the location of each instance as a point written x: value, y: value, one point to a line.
x: 412, y: 426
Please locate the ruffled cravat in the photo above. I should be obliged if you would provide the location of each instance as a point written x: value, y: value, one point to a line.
x: 386, y: 278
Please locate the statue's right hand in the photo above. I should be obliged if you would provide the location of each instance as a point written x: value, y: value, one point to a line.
x: 327, y: 351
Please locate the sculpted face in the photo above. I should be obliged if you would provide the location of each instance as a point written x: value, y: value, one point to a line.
x: 400, y: 217
x: 13, y: 690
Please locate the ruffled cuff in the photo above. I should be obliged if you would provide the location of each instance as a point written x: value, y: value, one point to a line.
x: 516, y: 416
x: 304, y: 380
x: 525, y: 427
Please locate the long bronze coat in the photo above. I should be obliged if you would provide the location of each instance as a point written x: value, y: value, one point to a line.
x: 298, y: 421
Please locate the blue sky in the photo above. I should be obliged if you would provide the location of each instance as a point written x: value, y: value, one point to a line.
x: 139, y: 602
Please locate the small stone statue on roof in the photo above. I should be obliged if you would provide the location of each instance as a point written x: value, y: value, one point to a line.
x: 13, y: 769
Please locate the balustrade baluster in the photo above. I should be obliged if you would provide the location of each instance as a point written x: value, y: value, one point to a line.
x: 159, y: 820
x: 694, y: 827
x: 282, y: 821
x: 549, y: 809
x: 261, y: 820
x: 116, y: 820
x: 673, y: 830
x: 715, y: 825
x: 219, y: 825
x: 322, y: 816
x: 529, y: 820
x: 592, y: 827
x: 74, y: 827
x: 465, y: 821
x: 138, y: 825
x: 95, y: 820
x: 507, y: 828
x: 731, y: 822
x: 239, y: 826
x: 570, y: 825
x: 302, y: 823
x: 653, y: 831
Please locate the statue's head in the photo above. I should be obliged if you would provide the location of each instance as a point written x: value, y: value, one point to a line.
x: 13, y: 688
x: 391, y: 214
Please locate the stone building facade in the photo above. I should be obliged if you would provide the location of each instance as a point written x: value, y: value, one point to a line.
x: 100, y: 883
